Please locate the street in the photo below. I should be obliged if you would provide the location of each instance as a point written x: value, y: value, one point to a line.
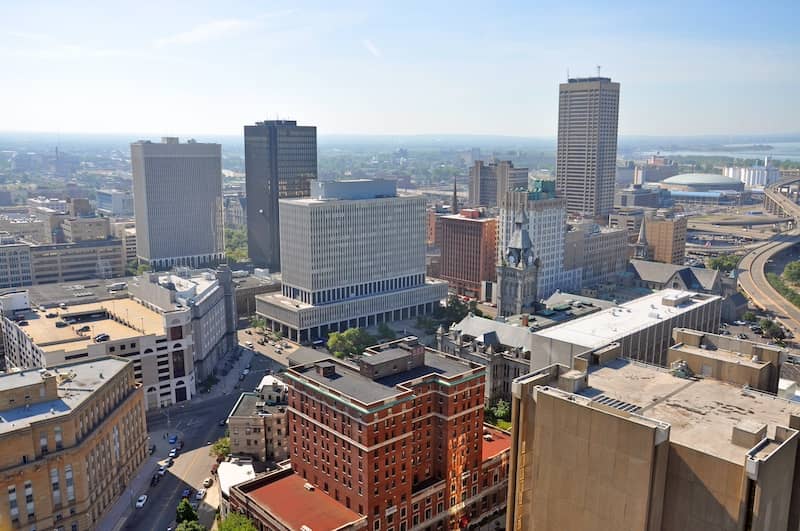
x: 197, y: 424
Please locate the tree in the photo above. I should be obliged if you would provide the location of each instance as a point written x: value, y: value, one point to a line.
x: 502, y: 410
x: 236, y: 245
x: 473, y: 307
x: 142, y: 268
x: 221, y: 448
x: 185, y: 512
x: 351, y: 342
x: 258, y: 322
x: 385, y: 332
x: 724, y: 262
x: 236, y: 522
x: 792, y: 272
x: 749, y: 316
x: 190, y: 525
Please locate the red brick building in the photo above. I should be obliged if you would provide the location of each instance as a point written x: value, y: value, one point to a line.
x: 468, y: 243
x: 398, y: 438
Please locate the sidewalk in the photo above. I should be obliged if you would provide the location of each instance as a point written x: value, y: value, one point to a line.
x: 116, y: 517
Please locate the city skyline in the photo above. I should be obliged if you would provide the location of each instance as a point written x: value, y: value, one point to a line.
x: 368, y: 69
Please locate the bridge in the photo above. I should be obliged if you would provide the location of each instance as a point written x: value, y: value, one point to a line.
x: 778, y: 200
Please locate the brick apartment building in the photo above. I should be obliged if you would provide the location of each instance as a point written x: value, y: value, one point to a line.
x: 468, y: 242
x: 398, y: 438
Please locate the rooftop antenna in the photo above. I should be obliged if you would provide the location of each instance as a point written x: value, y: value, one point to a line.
x: 598, y: 70
x: 567, y: 74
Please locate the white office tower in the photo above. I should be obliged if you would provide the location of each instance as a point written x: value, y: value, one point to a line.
x: 352, y: 255
x: 177, y: 192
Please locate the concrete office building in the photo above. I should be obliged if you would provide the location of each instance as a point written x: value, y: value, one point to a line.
x: 15, y: 263
x: 114, y: 202
x: 26, y: 226
x: 353, y: 255
x: 160, y: 345
x: 488, y: 183
x: 468, y: 243
x: 655, y: 169
x: 588, y: 112
x: 41, y: 202
x: 636, y: 196
x: 210, y: 299
x: 547, y: 226
x: 126, y: 232
x: 257, y: 424
x: 62, y: 262
x: 178, y: 202
x: 73, y: 437
x: 611, y: 444
x: 642, y: 328
x: 664, y: 234
x: 399, y: 438
x: 600, y: 253
x: 86, y: 229
x: 280, y: 162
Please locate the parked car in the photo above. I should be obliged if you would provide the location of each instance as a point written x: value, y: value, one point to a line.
x: 170, y: 461
x: 84, y: 328
x: 186, y: 493
x: 207, y: 482
x: 173, y: 453
x: 141, y: 501
x: 162, y: 470
x: 739, y: 323
x: 249, y: 344
x: 173, y: 439
x: 99, y: 338
x: 742, y: 336
x: 200, y: 494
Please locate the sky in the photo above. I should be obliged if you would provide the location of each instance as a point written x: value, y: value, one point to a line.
x: 175, y: 67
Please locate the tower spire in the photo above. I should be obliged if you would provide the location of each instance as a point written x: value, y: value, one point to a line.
x: 642, y: 250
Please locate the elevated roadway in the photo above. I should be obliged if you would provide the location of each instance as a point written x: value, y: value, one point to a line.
x: 752, y: 275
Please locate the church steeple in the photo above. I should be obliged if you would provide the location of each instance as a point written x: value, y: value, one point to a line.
x: 642, y: 249
x: 517, y: 273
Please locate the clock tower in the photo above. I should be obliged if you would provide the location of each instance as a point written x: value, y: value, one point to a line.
x: 517, y: 273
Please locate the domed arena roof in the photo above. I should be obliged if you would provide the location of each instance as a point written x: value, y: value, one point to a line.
x: 701, y: 179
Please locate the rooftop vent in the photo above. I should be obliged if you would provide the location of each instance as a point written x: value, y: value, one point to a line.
x: 326, y: 369
x: 309, y: 487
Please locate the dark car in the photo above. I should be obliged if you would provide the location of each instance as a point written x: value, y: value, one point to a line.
x: 186, y: 493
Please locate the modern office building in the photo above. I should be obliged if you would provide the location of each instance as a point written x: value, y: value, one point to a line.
x: 400, y: 438
x: 126, y: 232
x: 547, y: 226
x: 160, y: 345
x: 664, y: 232
x: 606, y: 443
x: 588, y: 112
x: 468, y: 243
x: 353, y: 255
x: 637, y: 196
x: 15, y: 263
x: 209, y: 297
x: 257, y: 424
x: 641, y: 327
x: 488, y: 183
x: 73, y: 438
x: 599, y: 253
x: 114, y: 202
x: 280, y: 163
x: 178, y: 202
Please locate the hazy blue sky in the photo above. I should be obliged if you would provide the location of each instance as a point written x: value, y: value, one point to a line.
x: 694, y: 67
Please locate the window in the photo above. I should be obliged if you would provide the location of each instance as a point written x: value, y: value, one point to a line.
x: 54, y: 483
x: 43, y: 442
x: 29, y: 499
x: 12, y: 503
x: 70, y: 483
x: 59, y: 441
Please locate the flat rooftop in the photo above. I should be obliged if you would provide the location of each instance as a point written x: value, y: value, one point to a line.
x: 500, y: 442
x: 85, y: 377
x: 701, y: 413
x: 721, y: 354
x: 350, y: 382
x: 44, y: 332
x: 247, y: 406
x: 606, y: 326
x: 287, y: 500
x: 81, y: 292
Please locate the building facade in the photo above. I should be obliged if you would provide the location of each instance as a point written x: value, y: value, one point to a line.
x: 257, y: 423
x: 63, y: 262
x: 547, y: 226
x: 588, y: 113
x: 600, y: 253
x: 114, y: 202
x: 235, y: 211
x: 754, y: 176
x: 468, y: 243
x: 280, y: 163
x: 488, y: 183
x: 86, y: 229
x: 77, y: 439
x: 353, y: 256
x: 178, y: 202
x: 15, y: 263
x: 400, y: 439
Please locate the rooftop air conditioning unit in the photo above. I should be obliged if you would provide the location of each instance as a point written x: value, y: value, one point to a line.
x: 308, y: 486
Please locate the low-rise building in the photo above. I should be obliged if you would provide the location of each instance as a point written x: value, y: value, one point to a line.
x: 601, y: 253
x: 126, y: 231
x: 160, y: 345
x: 73, y: 437
x: 257, y: 423
x: 15, y: 263
x: 642, y: 328
x: 606, y: 443
x: 64, y: 262
x: 248, y: 286
x: 85, y: 229
x: 115, y: 202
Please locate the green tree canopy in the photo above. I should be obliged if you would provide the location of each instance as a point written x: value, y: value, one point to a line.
x: 221, y: 447
x: 236, y: 245
x: 185, y: 512
x: 748, y: 316
x: 190, y: 526
x: 351, y: 342
x: 385, y: 332
x: 724, y: 262
x: 502, y: 410
x: 792, y: 271
x: 236, y: 522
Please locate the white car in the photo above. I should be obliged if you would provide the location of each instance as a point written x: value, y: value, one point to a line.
x: 141, y: 501
x: 162, y: 470
x: 245, y: 372
x: 200, y: 494
x: 173, y: 453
